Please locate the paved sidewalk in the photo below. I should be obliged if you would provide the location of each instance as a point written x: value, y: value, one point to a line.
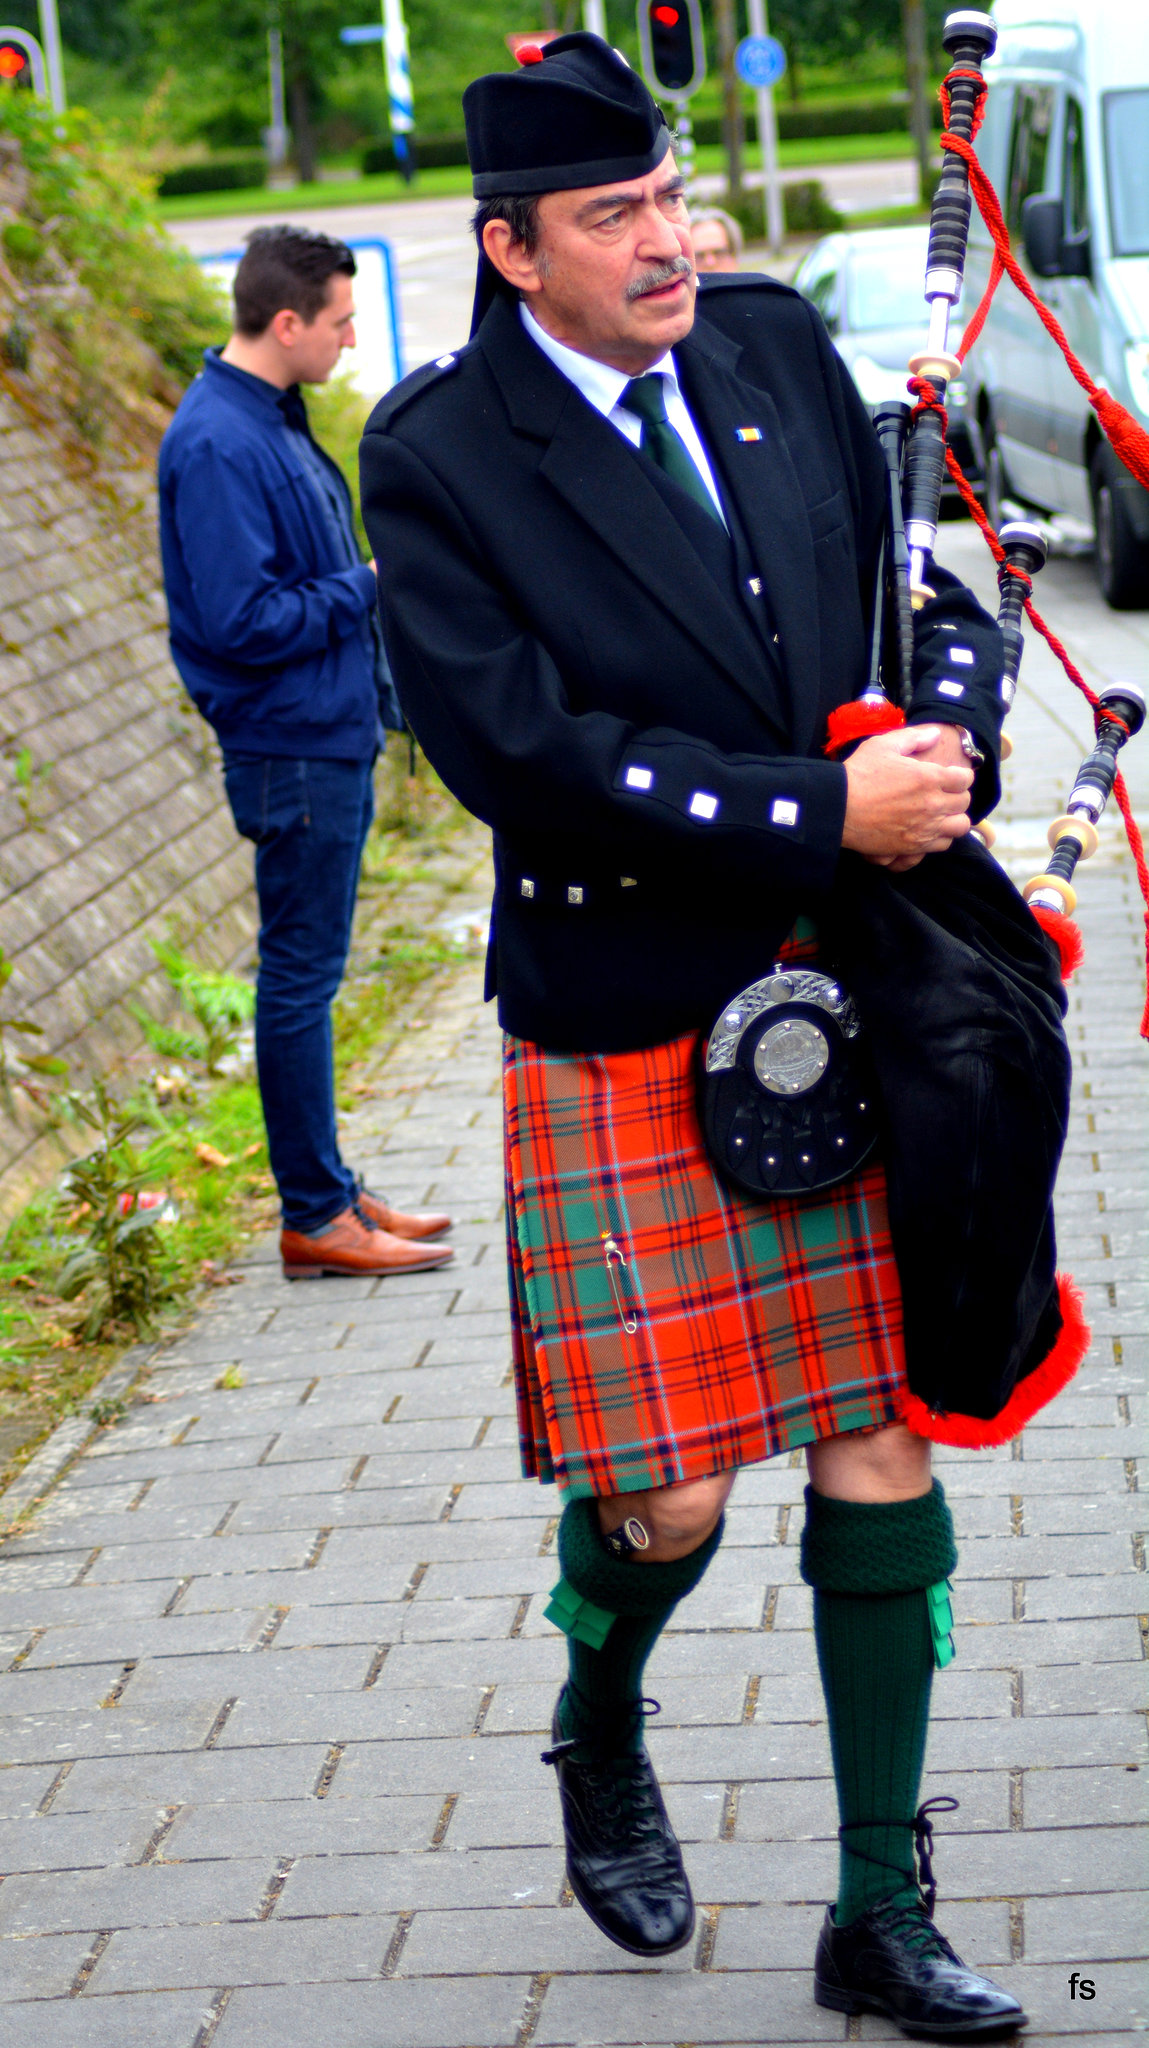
x: 277, y: 1674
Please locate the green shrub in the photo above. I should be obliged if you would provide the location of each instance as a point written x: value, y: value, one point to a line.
x: 432, y: 153
x: 218, y: 174
x: 90, y: 248
x: 807, y: 209
x: 220, y: 1003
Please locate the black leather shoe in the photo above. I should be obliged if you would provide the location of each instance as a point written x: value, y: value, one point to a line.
x: 623, y: 1860
x: 892, y: 1960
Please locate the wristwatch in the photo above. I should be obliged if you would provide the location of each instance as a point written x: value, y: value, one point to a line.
x: 969, y: 745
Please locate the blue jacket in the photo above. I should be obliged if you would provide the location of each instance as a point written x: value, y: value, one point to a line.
x: 272, y: 626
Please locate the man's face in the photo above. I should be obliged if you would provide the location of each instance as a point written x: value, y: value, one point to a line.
x: 612, y: 275
x: 317, y: 345
x: 712, y: 251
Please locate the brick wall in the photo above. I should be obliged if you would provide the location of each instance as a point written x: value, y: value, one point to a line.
x: 113, y: 823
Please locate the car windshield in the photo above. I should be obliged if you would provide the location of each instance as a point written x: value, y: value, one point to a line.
x: 885, y: 286
x: 1126, y: 120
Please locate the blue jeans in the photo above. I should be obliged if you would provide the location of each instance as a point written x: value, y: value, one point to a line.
x: 309, y: 820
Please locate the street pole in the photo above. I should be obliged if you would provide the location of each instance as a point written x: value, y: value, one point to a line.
x: 53, y: 54
x: 732, y: 119
x: 917, y: 81
x: 400, y: 100
x: 768, y: 139
x: 684, y: 154
x: 275, y: 137
x: 594, y: 18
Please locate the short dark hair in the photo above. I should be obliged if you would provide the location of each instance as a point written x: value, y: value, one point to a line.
x: 288, y: 269
x: 520, y: 213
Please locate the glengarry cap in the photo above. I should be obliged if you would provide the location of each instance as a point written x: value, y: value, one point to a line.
x: 572, y: 114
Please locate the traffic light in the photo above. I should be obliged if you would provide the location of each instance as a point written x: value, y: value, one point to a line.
x: 670, y: 39
x: 14, y: 65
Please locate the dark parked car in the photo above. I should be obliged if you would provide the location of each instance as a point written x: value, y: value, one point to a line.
x: 869, y: 289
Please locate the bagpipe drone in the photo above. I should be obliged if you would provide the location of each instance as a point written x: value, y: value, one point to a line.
x: 940, y: 1034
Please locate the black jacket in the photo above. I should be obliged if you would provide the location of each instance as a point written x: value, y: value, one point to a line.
x: 551, y: 626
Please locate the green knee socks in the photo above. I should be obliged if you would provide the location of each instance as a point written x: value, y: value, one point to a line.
x: 870, y: 1567
x: 613, y: 1610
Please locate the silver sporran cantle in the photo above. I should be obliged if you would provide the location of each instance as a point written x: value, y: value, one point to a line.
x: 787, y: 1097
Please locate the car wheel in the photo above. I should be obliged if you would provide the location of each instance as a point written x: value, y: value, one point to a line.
x: 1122, y: 559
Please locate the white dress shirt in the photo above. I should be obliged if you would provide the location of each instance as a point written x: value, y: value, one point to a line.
x: 603, y: 386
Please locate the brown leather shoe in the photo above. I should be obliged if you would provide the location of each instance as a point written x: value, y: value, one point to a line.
x: 352, y: 1245
x: 424, y: 1223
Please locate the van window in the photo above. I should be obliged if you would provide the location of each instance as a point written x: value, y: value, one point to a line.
x: 825, y: 293
x: 1074, y: 178
x: 1126, y: 122
x: 1029, y: 153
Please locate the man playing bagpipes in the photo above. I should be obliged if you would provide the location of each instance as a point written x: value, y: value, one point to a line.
x: 628, y: 540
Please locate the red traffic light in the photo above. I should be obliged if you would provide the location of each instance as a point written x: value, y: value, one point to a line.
x: 670, y: 36
x: 12, y: 61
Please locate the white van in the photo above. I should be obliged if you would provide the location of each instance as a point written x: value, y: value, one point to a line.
x: 1065, y: 143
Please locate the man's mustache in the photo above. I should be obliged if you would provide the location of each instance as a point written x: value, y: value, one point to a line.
x: 663, y: 274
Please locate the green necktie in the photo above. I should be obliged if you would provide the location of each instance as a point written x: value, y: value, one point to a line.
x: 663, y: 444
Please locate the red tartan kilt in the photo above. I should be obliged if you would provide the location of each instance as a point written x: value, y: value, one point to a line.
x: 665, y: 1326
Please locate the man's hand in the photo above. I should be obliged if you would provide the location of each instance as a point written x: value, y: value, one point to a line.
x: 906, y: 795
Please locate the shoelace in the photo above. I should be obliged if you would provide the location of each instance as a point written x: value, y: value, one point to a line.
x: 911, y: 1920
x: 923, y: 1831
x: 368, y: 1222
x: 618, y: 1783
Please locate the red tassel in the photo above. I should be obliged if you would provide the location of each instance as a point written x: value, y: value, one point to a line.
x: 1065, y: 935
x: 860, y: 720
x: 971, y: 1432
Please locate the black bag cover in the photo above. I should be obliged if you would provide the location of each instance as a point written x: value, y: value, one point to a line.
x: 961, y: 994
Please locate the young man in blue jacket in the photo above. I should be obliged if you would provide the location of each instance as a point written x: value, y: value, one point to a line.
x: 274, y: 632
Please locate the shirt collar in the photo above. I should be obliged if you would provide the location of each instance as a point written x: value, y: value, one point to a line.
x: 289, y: 403
x: 600, y: 385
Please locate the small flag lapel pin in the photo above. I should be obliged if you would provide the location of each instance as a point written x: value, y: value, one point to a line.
x: 747, y: 433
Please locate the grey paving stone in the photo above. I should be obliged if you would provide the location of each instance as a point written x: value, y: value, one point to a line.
x: 1089, y: 1931
x: 446, y: 2013
x: 717, y: 2007
x: 527, y: 1940
x: 1122, y: 1994
x: 214, y: 1776
x: 42, y: 1967
x: 156, y: 1895
x: 33, y: 1692
x: 22, y: 1787
x: 409, y: 1506
x: 179, y: 1525
x: 175, y: 2018
x: 410, y: 1883
x: 370, y: 1621
x: 233, y: 1553
x: 37, y: 1738
x: 268, y: 1482
x: 268, y: 1952
x: 1122, y: 1593
x: 225, y: 1592
x: 262, y: 1679
x: 1086, y: 1798
x: 83, y: 1605
x: 175, y: 1635
x: 1031, y: 1642
x: 275, y: 1827
x: 71, y: 1841
x: 1097, y: 1689
x: 383, y: 1714
x: 1037, y: 1862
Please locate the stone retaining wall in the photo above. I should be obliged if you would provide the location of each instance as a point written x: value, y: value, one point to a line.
x: 113, y: 823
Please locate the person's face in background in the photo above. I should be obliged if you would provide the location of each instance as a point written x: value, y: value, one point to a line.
x: 712, y: 251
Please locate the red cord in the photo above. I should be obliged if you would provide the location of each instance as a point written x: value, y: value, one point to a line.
x: 1129, y: 440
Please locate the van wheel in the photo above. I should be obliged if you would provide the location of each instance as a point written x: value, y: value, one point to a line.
x: 1122, y: 559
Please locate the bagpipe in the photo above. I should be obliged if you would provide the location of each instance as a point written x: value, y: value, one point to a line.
x: 941, y: 1035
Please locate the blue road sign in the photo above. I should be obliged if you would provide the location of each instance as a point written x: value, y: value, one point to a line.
x: 760, y: 60
x: 373, y: 33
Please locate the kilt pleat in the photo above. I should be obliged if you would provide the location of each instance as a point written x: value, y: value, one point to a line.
x: 665, y: 1326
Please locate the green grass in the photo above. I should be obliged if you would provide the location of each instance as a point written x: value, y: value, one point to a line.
x: 456, y: 183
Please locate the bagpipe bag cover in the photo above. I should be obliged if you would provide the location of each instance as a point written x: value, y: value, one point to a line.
x: 962, y: 997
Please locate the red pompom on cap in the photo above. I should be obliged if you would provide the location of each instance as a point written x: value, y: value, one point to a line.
x: 528, y: 53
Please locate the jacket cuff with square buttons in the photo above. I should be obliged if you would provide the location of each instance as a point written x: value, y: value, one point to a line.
x: 959, y: 659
